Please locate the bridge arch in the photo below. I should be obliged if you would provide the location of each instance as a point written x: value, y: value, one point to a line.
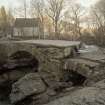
x: 26, y: 58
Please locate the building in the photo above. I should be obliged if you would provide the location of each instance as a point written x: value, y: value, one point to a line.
x: 27, y: 27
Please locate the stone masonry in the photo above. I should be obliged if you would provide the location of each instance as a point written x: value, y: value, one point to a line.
x: 50, y: 54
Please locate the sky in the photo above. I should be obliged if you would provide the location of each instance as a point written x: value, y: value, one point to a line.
x: 13, y: 4
x: 9, y: 3
x: 87, y: 3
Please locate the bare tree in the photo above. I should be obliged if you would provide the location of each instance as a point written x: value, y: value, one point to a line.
x: 98, y: 13
x: 54, y: 11
x: 101, y: 8
x: 10, y: 17
x: 6, y: 20
x: 75, y: 14
x: 38, y: 8
x: 38, y: 11
x: 22, y: 9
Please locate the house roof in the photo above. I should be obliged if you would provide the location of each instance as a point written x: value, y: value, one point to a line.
x: 26, y: 22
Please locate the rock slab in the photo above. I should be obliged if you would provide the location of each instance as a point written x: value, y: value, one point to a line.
x: 29, y: 85
x: 94, y: 95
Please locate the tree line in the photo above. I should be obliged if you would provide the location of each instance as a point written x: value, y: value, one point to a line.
x: 6, y: 20
x: 63, y: 18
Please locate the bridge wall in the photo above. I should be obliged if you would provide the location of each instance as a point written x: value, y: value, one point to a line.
x: 50, y: 58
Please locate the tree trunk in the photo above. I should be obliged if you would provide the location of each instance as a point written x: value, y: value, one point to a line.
x: 56, y: 30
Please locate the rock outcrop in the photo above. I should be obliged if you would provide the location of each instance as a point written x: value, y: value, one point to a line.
x: 38, y: 88
x: 94, y: 95
x: 31, y: 87
x: 88, y: 64
x: 27, y: 86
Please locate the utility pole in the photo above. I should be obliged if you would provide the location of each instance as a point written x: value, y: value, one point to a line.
x: 25, y: 8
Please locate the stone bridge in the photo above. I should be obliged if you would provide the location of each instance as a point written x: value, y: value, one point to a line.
x: 49, y: 53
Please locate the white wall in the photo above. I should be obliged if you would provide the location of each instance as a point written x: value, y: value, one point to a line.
x: 30, y: 31
x: 17, y: 32
x: 26, y: 31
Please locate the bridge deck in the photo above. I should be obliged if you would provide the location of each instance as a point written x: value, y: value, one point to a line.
x: 56, y: 43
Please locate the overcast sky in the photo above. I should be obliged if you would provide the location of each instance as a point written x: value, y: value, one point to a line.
x: 9, y: 3
x: 13, y: 4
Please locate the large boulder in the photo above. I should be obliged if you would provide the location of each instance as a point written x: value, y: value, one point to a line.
x: 53, y: 90
x: 51, y: 82
x: 28, y: 85
x: 83, y: 66
x: 90, y: 59
x: 94, y: 95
